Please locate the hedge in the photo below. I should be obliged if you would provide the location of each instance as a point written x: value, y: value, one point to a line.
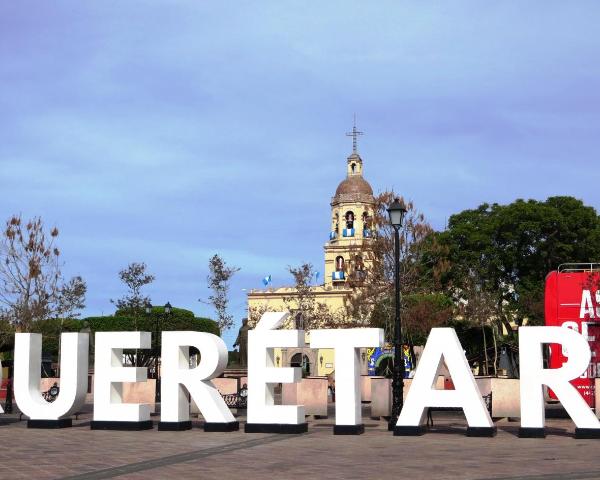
x: 179, y: 319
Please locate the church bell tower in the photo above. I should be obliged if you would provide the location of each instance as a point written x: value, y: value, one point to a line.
x: 351, y: 215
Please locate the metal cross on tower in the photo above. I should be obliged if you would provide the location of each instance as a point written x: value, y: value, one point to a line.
x: 354, y: 134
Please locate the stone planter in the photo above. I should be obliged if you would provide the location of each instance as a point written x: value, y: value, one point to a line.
x: 365, y: 388
x: 310, y: 392
x: 506, y: 397
x: 506, y: 400
x: 381, y: 394
x: 381, y: 397
x: 140, y: 392
x: 225, y: 386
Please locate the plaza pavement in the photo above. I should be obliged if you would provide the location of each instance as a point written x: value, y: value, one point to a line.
x: 445, y: 452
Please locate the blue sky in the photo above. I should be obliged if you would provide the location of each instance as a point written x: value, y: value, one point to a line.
x: 167, y: 131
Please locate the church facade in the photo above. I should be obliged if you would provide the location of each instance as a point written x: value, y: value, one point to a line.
x: 352, y: 208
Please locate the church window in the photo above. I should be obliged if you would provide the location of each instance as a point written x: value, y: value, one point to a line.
x: 366, y: 224
x: 339, y: 264
x: 353, y: 166
x: 349, y: 219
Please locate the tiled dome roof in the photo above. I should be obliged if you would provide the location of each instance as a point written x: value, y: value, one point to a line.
x: 354, y: 184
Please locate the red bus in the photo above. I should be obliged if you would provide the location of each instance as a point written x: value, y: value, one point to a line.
x: 572, y: 300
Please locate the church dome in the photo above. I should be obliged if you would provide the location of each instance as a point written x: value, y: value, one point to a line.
x: 354, y: 185
x: 354, y: 188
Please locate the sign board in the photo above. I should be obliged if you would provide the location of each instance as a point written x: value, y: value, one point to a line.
x: 572, y: 300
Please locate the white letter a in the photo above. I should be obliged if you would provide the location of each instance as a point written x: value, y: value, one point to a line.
x: 443, y: 344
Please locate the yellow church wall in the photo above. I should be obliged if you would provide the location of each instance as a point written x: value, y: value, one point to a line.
x: 323, y: 368
x: 281, y: 300
x: 327, y: 366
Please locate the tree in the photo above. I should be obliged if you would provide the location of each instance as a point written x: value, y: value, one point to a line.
x: 303, y: 301
x: 422, y: 264
x: 7, y: 335
x: 123, y: 321
x: 134, y: 277
x: 134, y: 302
x: 477, y: 308
x: 218, y: 280
x: 32, y: 287
x: 51, y: 330
x: 511, y: 248
x: 308, y: 312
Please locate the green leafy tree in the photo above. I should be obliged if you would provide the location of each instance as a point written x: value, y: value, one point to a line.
x: 51, y: 330
x: 178, y: 320
x: 509, y: 250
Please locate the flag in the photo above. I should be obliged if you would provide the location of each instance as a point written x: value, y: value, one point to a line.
x: 317, y: 274
x: 267, y: 280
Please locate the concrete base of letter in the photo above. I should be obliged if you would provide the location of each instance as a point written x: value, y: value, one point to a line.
x: 409, y: 431
x: 127, y: 426
x: 532, y: 433
x: 348, y: 429
x: 174, y: 426
x: 481, y: 431
x: 221, y: 427
x: 60, y: 423
x: 276, y: 428
x: 587, y: 433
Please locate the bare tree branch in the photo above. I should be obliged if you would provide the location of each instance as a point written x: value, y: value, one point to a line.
x: 31, y: 284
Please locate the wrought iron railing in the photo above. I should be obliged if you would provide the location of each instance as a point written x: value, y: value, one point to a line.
x: 236, y: 400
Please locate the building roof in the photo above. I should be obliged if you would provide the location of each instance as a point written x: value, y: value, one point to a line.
x: 354, y: 184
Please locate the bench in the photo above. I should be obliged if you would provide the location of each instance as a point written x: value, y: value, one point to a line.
x: 486, y: 398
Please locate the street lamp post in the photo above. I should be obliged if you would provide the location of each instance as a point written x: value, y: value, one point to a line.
x: 396, y: 212
x: 157, y: 331
x: 8, y: 406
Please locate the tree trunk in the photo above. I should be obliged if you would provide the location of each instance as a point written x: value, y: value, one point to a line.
x: 495, y: 352
x: 487, y: 368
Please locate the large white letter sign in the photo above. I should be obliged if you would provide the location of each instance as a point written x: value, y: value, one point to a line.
x: 73, y: 379
x: 263, y: 415
x: 177, y: 376
x: 110, y: 413
x: 443, y: 344
x: 534, y: 376
x: 346, y: 344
